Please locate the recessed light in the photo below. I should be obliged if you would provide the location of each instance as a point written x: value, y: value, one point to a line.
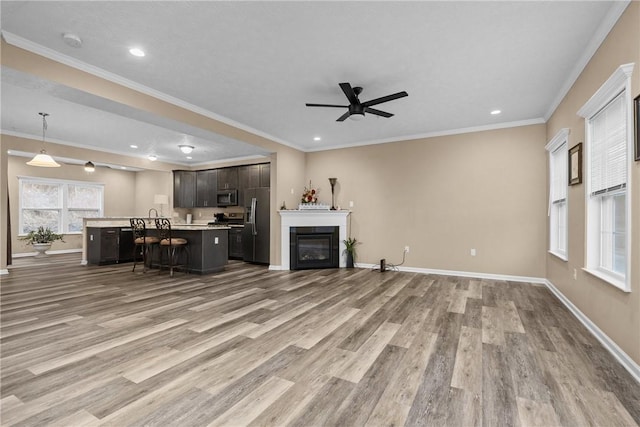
x: 495, y: 112
x: 152, y: 157
x: 317, y: 138
x: 133, y: 146
x: 136, y: 51
x: 72, y: 40
x: 189, y: 157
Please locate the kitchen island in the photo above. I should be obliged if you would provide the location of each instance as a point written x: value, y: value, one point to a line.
x: 207, y: 248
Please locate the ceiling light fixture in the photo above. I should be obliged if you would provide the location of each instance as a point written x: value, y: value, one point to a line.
x: 189, y: 157
x: 89, y: 167
x: 495, y: 112
x: 186, y: 149
x: 133, y: 146
x: 43, y: 160
x: 357, y: 116
x: 316, y: 138
x: 72, y: 40
x: 152, y: 157
x: 136, y: 51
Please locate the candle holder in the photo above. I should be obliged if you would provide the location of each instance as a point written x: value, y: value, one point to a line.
x: 332, y: 181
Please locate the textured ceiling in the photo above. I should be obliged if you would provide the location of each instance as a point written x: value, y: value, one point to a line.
x: 255, y: 64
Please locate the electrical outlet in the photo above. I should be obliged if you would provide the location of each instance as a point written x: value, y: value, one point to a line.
x: 473, y: 252
x: 406, y: 249
x: 199, y: 214
x: 351, y: 203
x: 215, y: 241
x: 292, y: 191
x: 575, y: 274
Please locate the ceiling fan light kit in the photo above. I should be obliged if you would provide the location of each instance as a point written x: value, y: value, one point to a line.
x: 356, y: 109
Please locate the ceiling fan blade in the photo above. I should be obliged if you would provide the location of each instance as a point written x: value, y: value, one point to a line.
x: 343, y: 117
x: 377, y: 112
x: 385, y: 99
x: 326, y: 105
x: 348, y: 91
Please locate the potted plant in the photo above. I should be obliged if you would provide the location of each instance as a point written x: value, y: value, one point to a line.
x: 350, y: 250
x: 41, y: 240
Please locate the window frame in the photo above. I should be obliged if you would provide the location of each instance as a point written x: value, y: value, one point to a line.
x: 63, y: 208
x: 618, y: 83
x: 559, y: 143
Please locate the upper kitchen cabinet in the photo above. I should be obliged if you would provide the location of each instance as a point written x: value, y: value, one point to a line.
x: 206, y: 187
x: 228, y: 178
x: 184, y: 189
x: 265, y: 175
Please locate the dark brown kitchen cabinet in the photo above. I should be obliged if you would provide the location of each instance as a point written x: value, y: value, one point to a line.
x: 265, y: 175
x: 206, y: 187
x: 184, y: 189
x: 103, y: 245
x: 235, y: 243
x: 228, y: 178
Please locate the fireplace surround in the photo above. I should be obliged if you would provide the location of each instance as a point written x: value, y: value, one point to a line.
x: 310, y: 218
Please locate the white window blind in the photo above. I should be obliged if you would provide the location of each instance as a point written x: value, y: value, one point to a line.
x: 608, y: 159
x: 559, y: 165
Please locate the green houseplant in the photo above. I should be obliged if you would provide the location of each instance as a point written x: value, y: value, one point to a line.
x: 350, y: 250
x: 41, y: 240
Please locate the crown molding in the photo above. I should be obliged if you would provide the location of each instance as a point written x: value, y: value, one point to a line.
x: 38, y: 49
x: 616, y: 11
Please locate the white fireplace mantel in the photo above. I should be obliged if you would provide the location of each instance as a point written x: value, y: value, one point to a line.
x: 310, y: 218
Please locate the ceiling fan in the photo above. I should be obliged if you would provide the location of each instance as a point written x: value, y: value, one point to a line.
x: 357, y: 108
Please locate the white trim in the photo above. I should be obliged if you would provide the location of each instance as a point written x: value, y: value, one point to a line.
x: 491, y: 276
x: 607, y: 24
x: 99, y: 72
x: 619, y: 81
x: 563, y: 257
x: 4, y: 271
x: 623, y: 358
x: 560, y: 138
x: 459, y: 131
x: 49, y: 252
x: 612, y: 279
x: 273, y: 267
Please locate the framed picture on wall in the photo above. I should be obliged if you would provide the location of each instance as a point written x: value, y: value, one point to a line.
x: 575, y: 164
x: 636, y: 127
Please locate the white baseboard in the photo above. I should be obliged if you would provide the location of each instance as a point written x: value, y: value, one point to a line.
x: 4, y: 271
x: 60, y: 251
x: 275, y: 267
x: 491, y: 276
x: 622, y: 357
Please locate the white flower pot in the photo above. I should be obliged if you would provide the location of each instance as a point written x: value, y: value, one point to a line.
x: 41, y: 249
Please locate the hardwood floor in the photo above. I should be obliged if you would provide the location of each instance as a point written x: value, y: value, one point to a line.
x: 90, y: 346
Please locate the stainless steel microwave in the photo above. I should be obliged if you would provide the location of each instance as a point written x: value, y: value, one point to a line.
x: 227, y: 197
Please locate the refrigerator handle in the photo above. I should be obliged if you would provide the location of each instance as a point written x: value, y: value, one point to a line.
x: 253, y: 216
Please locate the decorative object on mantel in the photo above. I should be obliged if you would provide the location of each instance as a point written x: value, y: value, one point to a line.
x: 313, y: 207
x: 309, y: 195
x: 41, y: 240
x: 350, y: 249
x: 284, y: 206
x: 332, y: 181
x: 43, y: 160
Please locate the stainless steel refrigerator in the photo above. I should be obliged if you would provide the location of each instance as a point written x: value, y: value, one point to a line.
x: 255, y: 235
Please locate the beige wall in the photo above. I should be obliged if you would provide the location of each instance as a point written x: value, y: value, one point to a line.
x: 147, y: 185
x: 444, y: 196
x: 119, y: 194
x: 615, y: 312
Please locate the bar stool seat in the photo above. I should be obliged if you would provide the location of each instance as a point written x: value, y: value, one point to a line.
x: 173, y: 245
x: 142, y: 244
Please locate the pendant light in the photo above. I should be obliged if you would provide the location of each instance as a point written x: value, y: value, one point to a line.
x: 43, y: 160
x: 89, y: 167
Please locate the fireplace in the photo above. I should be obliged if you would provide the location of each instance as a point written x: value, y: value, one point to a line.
x: 314, y: 247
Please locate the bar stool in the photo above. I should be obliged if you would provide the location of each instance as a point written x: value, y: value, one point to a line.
x: 142, y: 243
x: 171, y: 244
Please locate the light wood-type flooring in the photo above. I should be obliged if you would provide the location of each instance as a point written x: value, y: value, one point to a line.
x: 90, y: 346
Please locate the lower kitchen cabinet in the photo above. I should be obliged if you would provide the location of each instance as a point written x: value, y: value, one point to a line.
x: 235, y: 243
x: 103, y: 245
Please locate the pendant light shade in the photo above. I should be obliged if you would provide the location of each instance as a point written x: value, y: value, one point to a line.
x: 89, y: 167
x: 43, y: 160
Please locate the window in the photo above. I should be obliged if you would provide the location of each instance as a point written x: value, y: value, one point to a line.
x: 608, y: 134
x: 558, y: 166
x: 57, y: 204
